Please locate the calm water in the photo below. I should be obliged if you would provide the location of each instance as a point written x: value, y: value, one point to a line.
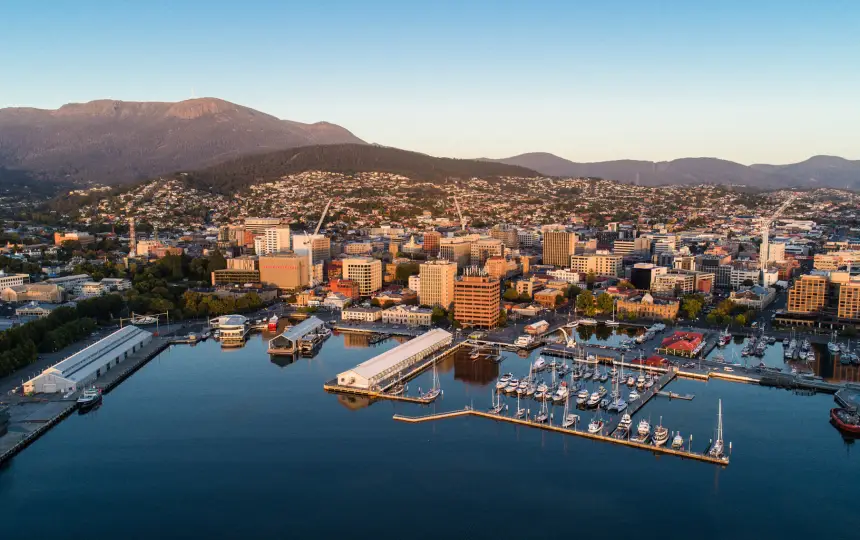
x: 205, y: 443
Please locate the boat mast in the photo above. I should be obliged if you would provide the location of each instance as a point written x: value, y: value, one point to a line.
x: 720, y: 422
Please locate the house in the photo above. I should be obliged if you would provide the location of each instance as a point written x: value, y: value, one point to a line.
x: 35, y: 310
x: 687, y: 344
x: 550, y: 298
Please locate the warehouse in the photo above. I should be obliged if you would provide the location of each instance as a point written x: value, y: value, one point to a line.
x: 371, y: 373
x: 82, y: 368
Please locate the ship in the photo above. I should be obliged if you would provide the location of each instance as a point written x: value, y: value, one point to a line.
x: 845, y: 420
x: 725, y: 337
x: 89, y: 399
x: 273, y: 324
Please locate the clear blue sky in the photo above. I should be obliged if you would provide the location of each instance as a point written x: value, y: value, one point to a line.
x: 751, y: 81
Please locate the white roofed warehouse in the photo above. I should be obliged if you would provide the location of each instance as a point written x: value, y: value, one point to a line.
x: 369, y: 374
x: 82, y: 368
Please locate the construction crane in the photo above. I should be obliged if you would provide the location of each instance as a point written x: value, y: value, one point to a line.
x: 322, y: 217
x: 460, y: 213
x: 764, y: 256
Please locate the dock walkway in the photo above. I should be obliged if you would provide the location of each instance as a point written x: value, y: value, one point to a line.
x: 565, y: 431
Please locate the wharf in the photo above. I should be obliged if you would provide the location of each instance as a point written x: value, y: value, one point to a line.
x: 32, y: 416
x: 848, y: 398
x: 566, y: 431
x: 673, y: 395
x: 391, y: 330
x: 645, y: 397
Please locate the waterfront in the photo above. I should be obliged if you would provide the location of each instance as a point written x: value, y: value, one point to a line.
x: 228, y: 443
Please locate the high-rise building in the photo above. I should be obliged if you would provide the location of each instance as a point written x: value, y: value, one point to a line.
x: 849, y: 300
x: 642, y: 275
x: 316, y: 248
x: 284, y: 271
x: 558, y: 246
x: 431, y: 242
x: 259, y: 225
x: 436, y: 283
x: 526, y: 238
x: 808, y: 294
x: 366, y: 272
x: 602, y: 264
x: 507, y: 234
x: 276, y: 240
x: 457, y: 250
x: 485, y: 248
x: 477, y: 301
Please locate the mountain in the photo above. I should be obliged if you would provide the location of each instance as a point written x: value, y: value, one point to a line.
x: 119, y: 141
x: 815, y: 172
x: 236, y: 174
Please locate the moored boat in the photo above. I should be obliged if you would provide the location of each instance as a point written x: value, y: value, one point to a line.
x: 595, y: 426
x: 88, y: 399
x: 661, y: 434
x: 677, y: 442
x: 846, y: 420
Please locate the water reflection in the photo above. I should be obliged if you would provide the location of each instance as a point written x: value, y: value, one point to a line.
x: 479, y: 372
x: 354, y: 403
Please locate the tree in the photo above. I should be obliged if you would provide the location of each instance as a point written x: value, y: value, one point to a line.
x: 405, y: 270
x: 503, y: 318
x: 748, y: 283
x: 573, y: 291
x: 585, y: 303
x: 692, y: 305
x: 741, y: 320
x: 590, y: 278
x: 217, y: 261
x: 439, y: 314
x: 511, y: 295
x: 605, y: 302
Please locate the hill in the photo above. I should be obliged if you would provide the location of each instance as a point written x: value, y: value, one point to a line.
x: 119, y: 141
x: 344, y: 158
x: 818, y: 171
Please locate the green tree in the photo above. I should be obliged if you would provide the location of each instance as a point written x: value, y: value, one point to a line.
x: 217, y: 261
x: 741, y: 320
x: 692, y: 305
x: 585, y: 302
x: 605, y: 302
x: 573, y: 291
x: 503, y: 318
x: 405, y: 270
x: 511, y: 295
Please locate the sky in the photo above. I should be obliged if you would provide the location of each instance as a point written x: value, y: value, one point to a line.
x: 755, y: 81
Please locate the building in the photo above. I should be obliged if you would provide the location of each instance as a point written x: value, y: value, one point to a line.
x: 408, y: 315
x: 414, y: 283
x: 477, y: 301
x: 259, y: 225
x: 483, y: 249
x: 601, y: 264
x: 808, y: 294
x: 243, y: 263
x: 73, y: 236
x: 12, y: 280
x: 686, y: 344
x: 642, y: 275
x: 230, y: 276
x: 33, y: 292
x: 549, y: 298
x: 527, y: 287
x: 527, y: 238
x: 436, y: 283
x: 836, y: 260
x: 274, y: 240
x: 646, y: 306
x: 84, y: 367
x: 502, y: 267
x: 358, y: 248
x: 848, y: 306
x: 34, y: 310
x: 680, y: 282
x: 568, y: 276
x: 363, y: 314
x: 116, y: 284
x: 70, y: 283
x: 755, y: 297
x: 558, y: 246
x: 346, y: 287
x: 457, y: 250
x: 91, y: 289
x: 337, y: 301
x: 431, y: 242
x: 366, y: 272
x: 316, y: 249
x: 507, y: 234
x: 376, y: 372
x: 743, y: 277
x: 631, y: 247
x: 284, y: 270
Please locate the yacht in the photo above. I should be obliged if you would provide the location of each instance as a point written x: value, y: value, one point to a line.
x: 540, y: 364
x: 588, y: 322
x: 506, y: 377
x: 512, y: 386
x: 524, y: 341
x: 717, y: 449
x: 540, y: 395
x: 542, y: 387
x: 561, y: 394
x: 604, y: 377
x: 497, y: 405
x: 643, y: 429
x: 677, y: 442
x: 625, y: 422
x: 88, y: 399
x: 595, y: 426
x: 593, y: 399
x: 631, y: 381
x: 501, y: 384
x: 601, y: 392
x: 543, y: 415
x: 634, y: 395
x: 570, y: 419
x: 399, y: 389
x: 617, y: 405
x: 661, y: 434
x: 725, y: 337
x: 531, y: 390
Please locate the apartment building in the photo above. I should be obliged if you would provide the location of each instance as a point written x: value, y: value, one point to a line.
x: 457, y: 250
x: 436, y: 283
x: 12, y: 280
x: 432, y: 240
x: 602, y: 264
x: 366, y: 272
x: 558, y: 246
x: 808, y: 294
x: 483, y: 249
x: 477, y: 301
x: 507, y: 234
x: 275, y: 240
x: 849, y: 300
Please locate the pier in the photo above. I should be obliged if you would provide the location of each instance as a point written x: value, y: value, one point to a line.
x: 302, y: 338
x: 704, y: 457
x: 645, y: 397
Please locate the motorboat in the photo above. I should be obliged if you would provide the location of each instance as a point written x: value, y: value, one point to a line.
x: 604, y: 403
x: 601, y: 392
x: 570, y: 419
x: 273, y: 324
x: 540, y: 395
x: 626, y: 421
x: 399, y: 389
x: 561, y: 394
x: 593, y: 400
x: 501, y: 384
x: 661, y: 434
x: 643, y: 429
x: 540, y: 364
x: 725, y: 337
x: 604, y: 377
x: 677, y: 442
x: 542, y: 387
x: 648, y: 384
x: 846, y: 420
x: 595, y: 426
x: 583, y: 393
x: 531, y: 390
x: 88, y: 399
x: 631, y: 381
x: 634, y: 395
x: 506, y: 377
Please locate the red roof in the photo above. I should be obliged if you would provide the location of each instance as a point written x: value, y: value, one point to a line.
x: 683, y: 341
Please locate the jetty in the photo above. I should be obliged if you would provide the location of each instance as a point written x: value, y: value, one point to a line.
x: 686, y: 454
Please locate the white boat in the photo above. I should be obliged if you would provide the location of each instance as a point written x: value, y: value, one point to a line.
x: 648, y: 384
x: 542, y: 387
x: 524, y: 341
x: 398, y: 389
x: 506, y: 377
x: 521, y: 412
x: 88, y: 399
x: 625, y: 422
x: 497, y: 405
x: 543, y: 415
x: 540, y: 364
x: 501, y: 384
x: 613, y: 322
x: 634, y: 395
x: 568, y: 419
x: 595, y: 426
x: 717, y: 448
x: 614, y: 371
x: 531, y: 390
x: 435, y: 391
x: 588, y: 322
x: 561, y: 394
x: 677, y: 442
x: 631, y: 381
x: 593, y: 400
x: 643, y: 429
x: 661, y: 434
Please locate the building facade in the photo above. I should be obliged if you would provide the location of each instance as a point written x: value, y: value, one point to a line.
x: 366, y: 272
x: 477, y: 300
x: 808, y: 294
x: 436, y: 281
x: 286, y: 271
x: 602, y: 264
x: 558, y: 246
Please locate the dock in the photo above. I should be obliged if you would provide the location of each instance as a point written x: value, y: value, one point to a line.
x: 673, y: 395
x: 645, y: 397
x: 704, y: 457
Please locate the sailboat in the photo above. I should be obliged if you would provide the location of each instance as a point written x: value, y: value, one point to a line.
x: 520, y: 411
x: 596, y: 425
x: 717, y: 449
x: 617, y: 404
x: 568, y: 419
x: 613, y: 322
x: 543, y: 415
x: 435, y: 391
x: 497, y: 405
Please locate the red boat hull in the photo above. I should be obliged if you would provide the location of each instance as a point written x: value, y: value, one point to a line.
x: 842, y: 425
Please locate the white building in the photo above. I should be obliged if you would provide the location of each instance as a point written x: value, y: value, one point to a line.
x: 408, y: 315
x: 374, y: 372
x: 740, y: 275
x: 357, y: 313
x: 12, y: 280
x: 116, y: 284
x: 415, y: 283
x: 70, y: 283
x: 336, y: 300
x: 90, y: 289
x: 84, y: 367
x: 274, y: 240
x: 563, y: 274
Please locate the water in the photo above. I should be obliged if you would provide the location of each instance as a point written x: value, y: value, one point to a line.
x: 209, y: 443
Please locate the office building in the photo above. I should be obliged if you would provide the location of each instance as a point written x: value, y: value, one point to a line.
x: 316, y: 249
x: 477, y: 301
x: 243, y: 263
x: 436, y: 283
x: 602, y: 264
x: 365, y: 271
x: 259, y: 225
x: 483, y: 249
x: 507, y: 234
x: 431, y: 242
x: 558, y: 246
x: 12, y: 280
x: 836, y: 260
x: 230, y: 276
x: 287, y: 271
x: 808, y: 294
x: 457, y: 250
x: 346, y: 287
x: 275, y: 240
x: 642, y: 275
x: 527, y: 238
x: 848, y: 306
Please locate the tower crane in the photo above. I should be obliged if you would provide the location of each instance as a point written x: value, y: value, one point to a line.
x: 322, y: 217
x: 765, y: 230
x: 460, y: 213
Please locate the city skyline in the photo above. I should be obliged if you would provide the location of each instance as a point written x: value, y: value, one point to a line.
x: 761, y: 84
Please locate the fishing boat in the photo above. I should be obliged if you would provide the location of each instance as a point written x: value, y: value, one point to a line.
x: 435, y: 391
x: 661, y: 434
x: 496, y: 403
x: 725, y: 337
x: 677, y: 442
x: 643, y: 431
x: 846, y: 420
x: 540, y: 364
x: 634, y: 395
x: 717, y: 449
x: 593, y: 400
x: 595, y: 426
x: 88, y: 399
